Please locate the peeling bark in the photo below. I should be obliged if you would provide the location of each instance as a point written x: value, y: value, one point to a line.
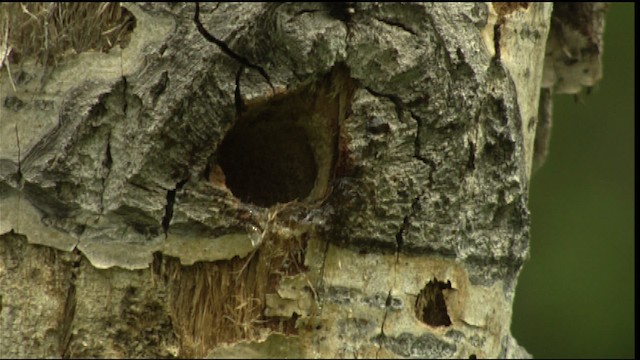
x: 247, y: 179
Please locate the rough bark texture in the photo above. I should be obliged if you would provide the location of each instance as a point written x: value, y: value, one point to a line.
x: 329, y: 180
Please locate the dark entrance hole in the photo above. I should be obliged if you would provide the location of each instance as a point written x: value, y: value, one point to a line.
x: 268, y: 162
x: 284, y: 147
x: 431, y: 307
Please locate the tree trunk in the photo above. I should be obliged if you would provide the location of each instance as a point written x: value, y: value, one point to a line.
x: 270, y: 180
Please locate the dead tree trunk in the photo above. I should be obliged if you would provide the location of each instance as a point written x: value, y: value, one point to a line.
x: 313, y: 180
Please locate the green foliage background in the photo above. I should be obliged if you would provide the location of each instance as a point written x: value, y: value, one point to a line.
x: 575, y: 296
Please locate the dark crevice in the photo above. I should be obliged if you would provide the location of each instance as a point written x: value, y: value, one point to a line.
x: 497, y: 33
x: 320, y: 286
x: 240, y: 105
x: 168, y: 210
x: 393, y: 98
x: 19, y: 171
x: 441, y: 44
x: 106, y: 164
x: 285, y: 148
x: 431, y: 307
x: 226, y: 49
x: 69, y: 307
x: 124, y: 95
x: 396, y: 24
x: 382, y: 336
x: 108, y: 160
x: 430, y: 163
x: 471, y: 162
x: 158, y: 88
x: 342, y: 11
x: 387, y: 302
x: 268, y: 162
x: 400, y: 239
x: 19, y: 179
x: 400, y: 234
x: 418, y: 145
x: 415, y: 204
x: 399, y: 107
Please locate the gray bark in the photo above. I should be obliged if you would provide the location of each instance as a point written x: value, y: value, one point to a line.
x: 353, y: 182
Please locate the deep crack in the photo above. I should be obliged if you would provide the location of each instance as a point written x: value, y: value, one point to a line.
x: 471, y: 161
x: 69, y: 307
x: 399, y: 108
x: 405, y: 225
x: 168, y: 210
x: 106, y: 164
x: 393, y: 98
x: 226, y: 49
x: 497, y: 34
x: 240, y: 106
x: 19, y: 171
x: 321, y: 280
x: 387, y: 304
x: 418, y: 145
x: 399, y: 245
x: 400, y: 234
x: 396, y: 24
x: 124, y: 95
x: 19, y: 181
x: 342, y: 11
x: 159, y: 87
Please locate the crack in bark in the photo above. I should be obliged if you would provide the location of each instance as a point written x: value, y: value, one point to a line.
x: 168, y: 210
x: 442, y: 45
x: 399, y: 112
x: 405, y: 224
x: 19, y: 171
x: 400, y: 234
x: 417, y: 146
x: 69, y: 307
x: 239, y: 103
x: 342, y: 11
x: 396, y: 24
x: 106, y: 163
x: 497, y: 34
x: 471, y: 162
x: 226, y: 49
x: 399, y: 245
x: 124, y: 95
x: 19, y: 181
x: 414, y: 204
x: 393, y: 98
x: 417, y: 143
x: 321, y: 285
x: 159, y: 87
x: 387, y: 303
